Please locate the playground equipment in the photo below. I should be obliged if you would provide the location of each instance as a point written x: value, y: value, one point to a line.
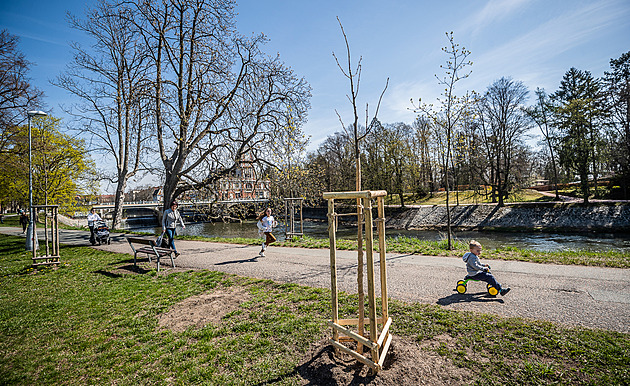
x: 378, y: 345
x: 52, y: 244
x: 290, y: 212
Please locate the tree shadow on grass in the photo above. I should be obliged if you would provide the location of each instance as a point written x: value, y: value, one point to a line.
x: 125, y: 261
x: 108, y: 274
x: 138, y: 269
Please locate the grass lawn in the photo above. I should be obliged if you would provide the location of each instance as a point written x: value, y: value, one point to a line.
x: 94, y: 320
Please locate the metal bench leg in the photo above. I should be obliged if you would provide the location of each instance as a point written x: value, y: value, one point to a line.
x: 172, y: 261
x: 158, y: 263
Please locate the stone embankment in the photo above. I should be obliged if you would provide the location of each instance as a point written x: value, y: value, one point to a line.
x: 610, y: 217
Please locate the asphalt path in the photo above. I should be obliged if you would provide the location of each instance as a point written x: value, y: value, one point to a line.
x: 592, y: 297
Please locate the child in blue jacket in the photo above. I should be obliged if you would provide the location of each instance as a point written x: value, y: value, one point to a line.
x: 478, y: 271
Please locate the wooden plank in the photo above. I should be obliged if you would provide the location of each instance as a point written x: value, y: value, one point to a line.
x: 382, y: 258
x: 165, y: 251
x: 56, y: 243
x: 353, y: 335
x: 360, y: 286
x: 355, y: 194
x: 378, y: 193
x: 333, y: 264
x: 346, y: 214
x: 384, y: 332
x: 369, y: 246
x: 346, y: 195
x: 150, y: 251
x: 45, y: 257
x: 138, y: 240
x: 355, y: 321
x: 356, y: 355
x: 46, y: 263
x: 384, y: 352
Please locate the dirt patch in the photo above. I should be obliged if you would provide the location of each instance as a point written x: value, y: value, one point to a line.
x: 406, y: 363
x: 197, y: 311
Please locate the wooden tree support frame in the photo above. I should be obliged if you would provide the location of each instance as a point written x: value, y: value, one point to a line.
x: 291, y: 207
x: 378, y: 345
x: 51, y: 257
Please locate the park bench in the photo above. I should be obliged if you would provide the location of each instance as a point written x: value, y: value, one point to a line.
x: 149, y: 247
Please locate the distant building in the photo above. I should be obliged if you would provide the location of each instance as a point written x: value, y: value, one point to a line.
x: 158, y: 194
x: 242, y: 184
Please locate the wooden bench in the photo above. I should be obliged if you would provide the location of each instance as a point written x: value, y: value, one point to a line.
x: 149, y: 247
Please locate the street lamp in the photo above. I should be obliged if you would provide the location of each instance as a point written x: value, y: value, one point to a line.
x: 31, y: 237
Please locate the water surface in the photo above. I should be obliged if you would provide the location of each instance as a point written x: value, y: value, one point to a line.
x: 525, y: 240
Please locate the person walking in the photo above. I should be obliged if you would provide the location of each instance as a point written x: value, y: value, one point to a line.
x: 23, y: 220
x: 265, y: 224
x: 92, y: 218
x: 169, y: 224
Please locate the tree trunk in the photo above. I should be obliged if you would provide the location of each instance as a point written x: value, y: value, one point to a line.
x: 118, y: 202
x: 584, y: 184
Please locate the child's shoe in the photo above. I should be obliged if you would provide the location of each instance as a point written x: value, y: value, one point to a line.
x: 504, y: 291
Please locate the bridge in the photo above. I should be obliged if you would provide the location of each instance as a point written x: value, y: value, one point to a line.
x: 157, y: 205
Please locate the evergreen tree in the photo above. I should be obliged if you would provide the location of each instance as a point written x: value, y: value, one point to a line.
x: 577, y: 116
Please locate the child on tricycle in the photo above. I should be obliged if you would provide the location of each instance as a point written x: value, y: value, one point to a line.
x: 479, y: 272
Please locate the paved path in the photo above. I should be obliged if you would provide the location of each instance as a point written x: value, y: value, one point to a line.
x: 574, y: 295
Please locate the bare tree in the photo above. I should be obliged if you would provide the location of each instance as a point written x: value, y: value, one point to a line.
x: 541, y: 114
x: 503, y: 124
x: 617, y: 89
x: 451, y: 110
x: 16, y: 92
x: 335, y: 158
x: 423, y: 149
x: 216, y: 96
x: 110, y: 79
x: 354, y: 77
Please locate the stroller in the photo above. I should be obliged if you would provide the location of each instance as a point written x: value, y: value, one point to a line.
x: 101, y: 232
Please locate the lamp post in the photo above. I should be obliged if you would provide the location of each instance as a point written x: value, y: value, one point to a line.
x: 31, y: 237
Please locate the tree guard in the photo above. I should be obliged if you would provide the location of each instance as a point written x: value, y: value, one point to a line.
x: 378, y: 345
x: 291, y: 207
x: 52, y: 244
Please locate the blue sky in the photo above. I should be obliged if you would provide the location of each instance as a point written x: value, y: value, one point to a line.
x: 535, y: 41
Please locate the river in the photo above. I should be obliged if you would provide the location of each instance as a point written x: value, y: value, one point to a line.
x: 524, y: 240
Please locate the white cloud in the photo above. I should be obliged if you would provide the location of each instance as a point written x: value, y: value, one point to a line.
x: 494, y: 10
x: 539, y: 47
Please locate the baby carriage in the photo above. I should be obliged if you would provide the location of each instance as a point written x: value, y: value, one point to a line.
x: 101, y: 232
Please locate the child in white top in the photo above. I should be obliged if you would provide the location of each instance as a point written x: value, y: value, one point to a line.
x: 265, y: 225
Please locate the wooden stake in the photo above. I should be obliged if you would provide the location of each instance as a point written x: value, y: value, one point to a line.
x: 382, y: 255
x: 369, y: 246
x: 333, y: 264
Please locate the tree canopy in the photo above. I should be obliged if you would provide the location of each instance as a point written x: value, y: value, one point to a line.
x: 62, y: 167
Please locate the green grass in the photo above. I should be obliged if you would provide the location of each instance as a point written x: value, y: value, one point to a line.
x: 93, y: 320
x: 412, y: 245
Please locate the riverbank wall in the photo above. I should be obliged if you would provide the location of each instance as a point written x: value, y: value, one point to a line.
x: 572, y: 217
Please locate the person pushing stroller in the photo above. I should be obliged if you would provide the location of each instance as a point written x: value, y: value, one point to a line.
x: 478, y: 271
